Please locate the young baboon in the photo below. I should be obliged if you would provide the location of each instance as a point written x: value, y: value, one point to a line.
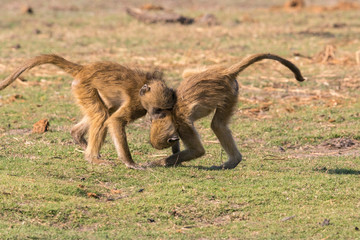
x: 199, y: 94
x: 109, y: 97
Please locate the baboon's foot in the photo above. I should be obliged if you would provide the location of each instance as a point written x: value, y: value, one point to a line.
x: 230, y: 164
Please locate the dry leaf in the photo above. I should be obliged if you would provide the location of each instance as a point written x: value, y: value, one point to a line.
x: 41, y: 126
x: 115, y: 191
x: 92, y: 195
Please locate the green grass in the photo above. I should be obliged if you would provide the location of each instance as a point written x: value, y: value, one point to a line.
x: 290, y: 183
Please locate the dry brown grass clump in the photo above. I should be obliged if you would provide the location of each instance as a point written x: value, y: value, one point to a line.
x: 294, y: 4
x: 328, y: 56
x: 26, y: 9
x: 290, y: 5
x: 357, y: 56
x: 12, y: 98
x: 146, y: 15
x: 208, y: 19
x: 150, y: 7
x: 344, y: 5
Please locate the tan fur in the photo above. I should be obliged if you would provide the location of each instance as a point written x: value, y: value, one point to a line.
x: 108, y: 95
x: 198, y: 95
x: 164, y: 132
x: 191, y: 71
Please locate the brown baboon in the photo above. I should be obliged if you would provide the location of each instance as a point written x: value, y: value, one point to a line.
x: 199, y: 94
x: 109, y: 97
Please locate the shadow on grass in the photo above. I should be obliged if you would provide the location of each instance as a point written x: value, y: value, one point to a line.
x: 212, y: 168
x: 339, y: 171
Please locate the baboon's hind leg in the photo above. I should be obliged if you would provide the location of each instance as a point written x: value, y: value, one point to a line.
x: 97, y: 134
x: 223, y: 133
x: 95, y: 116
x: 79, y: 131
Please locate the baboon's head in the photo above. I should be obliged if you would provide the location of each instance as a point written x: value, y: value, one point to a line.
x: 157, y: 98
x: 163, y: 133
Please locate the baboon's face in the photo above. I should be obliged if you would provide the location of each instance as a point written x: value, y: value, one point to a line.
x: 157, y: 99
x: 163, y: 132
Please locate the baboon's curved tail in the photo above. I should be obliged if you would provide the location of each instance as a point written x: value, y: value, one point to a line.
x: 235, y: 69
x: 69, y: 67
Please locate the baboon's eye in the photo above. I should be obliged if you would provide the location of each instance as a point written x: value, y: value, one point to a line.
x: 158, y: 113
x: 157, y: 110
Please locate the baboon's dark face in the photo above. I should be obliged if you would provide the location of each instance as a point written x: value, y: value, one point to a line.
x: 157, y: 99
x: 163, y: 132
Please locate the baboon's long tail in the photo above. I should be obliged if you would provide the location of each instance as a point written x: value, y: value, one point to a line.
x: 235, y: 69
x: 69, y: 67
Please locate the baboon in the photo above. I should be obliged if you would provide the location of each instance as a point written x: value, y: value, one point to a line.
x: 198, y: 95
x: 109, y: 97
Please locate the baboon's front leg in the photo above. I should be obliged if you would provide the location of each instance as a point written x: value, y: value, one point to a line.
x: 117, y: 130
x: 176, y: 147
x: 194, y: 148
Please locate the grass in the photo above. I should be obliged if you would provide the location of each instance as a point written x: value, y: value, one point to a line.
x: 294, y: 183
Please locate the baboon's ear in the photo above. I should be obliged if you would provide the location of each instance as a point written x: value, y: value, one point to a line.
x: 158, y: 75
x: 149, y: 75
x: 144, y: 89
